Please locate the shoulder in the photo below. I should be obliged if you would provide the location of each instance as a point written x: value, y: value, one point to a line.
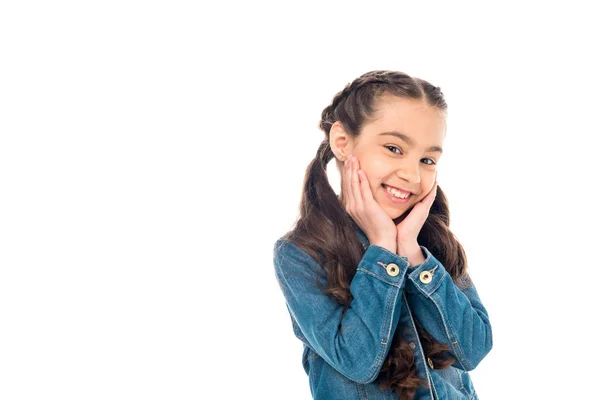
x: 285, y: 247
x: 286, y: 250
x: 288, y: 256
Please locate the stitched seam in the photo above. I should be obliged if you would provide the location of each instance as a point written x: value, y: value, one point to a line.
x: 378, y: 277
x: 421, y: 353
x: 362, y: 394
x: 462, y: 382
x: 382, y: 345
x: 433, y: 388
x: 450, y: 333
x: 455, y: 344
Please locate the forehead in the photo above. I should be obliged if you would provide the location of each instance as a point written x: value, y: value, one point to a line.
x: 424, y: 123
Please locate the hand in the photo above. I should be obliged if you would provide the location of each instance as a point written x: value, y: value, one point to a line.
x: 363, y: 208
x: 409, y: 228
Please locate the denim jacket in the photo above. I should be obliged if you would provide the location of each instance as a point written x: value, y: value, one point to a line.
x: 343, y: 356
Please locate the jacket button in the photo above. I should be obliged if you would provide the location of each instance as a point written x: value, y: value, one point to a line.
x: 392, y: 269
x: 412, y: 345
x: 430, y: 362
x: 425, y: 276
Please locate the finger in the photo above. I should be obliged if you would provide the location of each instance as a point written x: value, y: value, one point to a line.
x: 429, y: 197
x: 432, y: 194
x: 365, y: 189
x: 358, y: 201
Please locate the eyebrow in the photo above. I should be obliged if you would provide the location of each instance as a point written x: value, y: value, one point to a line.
x: 410, y: 141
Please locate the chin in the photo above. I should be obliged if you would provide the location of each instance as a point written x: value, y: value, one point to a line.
x: 394, y: 212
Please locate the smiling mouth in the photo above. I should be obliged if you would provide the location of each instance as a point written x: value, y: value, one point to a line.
x: 397, y: 195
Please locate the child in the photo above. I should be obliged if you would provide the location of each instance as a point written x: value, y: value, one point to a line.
x: 375, y: 282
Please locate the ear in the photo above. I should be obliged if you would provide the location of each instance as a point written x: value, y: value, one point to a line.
x: 340, y: 141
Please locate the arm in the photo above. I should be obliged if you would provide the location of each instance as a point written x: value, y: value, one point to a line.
x: 450, y: 314
x: 357, y: 343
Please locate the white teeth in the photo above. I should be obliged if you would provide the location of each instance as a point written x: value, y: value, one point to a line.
x: 396, y: 193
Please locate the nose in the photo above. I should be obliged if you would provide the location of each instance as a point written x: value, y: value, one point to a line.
x: 409, y: 172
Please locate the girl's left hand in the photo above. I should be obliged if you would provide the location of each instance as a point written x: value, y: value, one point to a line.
x: 409, y: 228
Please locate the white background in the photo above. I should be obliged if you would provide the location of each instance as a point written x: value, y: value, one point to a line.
x: 152, y: 152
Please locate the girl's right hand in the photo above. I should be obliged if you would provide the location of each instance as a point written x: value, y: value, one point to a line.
x: 362, y: 207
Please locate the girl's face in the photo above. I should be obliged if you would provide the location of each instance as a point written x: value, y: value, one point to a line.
x: 400, y: 147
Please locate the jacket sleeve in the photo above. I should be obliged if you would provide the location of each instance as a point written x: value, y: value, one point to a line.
x: 357, y: 343
x: 452, y: 315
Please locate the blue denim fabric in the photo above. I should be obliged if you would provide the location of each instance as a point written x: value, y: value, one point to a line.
x: 343, y: 356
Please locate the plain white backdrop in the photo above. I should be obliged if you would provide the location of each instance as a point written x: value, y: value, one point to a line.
x: 152, y: 152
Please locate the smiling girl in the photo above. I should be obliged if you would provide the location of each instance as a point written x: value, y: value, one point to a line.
x: 375, y: 282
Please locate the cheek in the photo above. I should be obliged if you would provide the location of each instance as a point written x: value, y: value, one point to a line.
x: 374, y: 181
x: 425, y: 190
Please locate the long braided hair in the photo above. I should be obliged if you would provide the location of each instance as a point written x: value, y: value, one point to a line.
x: 325, y: 231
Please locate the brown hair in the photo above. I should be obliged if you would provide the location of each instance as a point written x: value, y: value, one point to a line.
x: 326, y: 232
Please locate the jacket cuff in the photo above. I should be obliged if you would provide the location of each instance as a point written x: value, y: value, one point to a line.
x: 384, y: 265
x: 428, y: 275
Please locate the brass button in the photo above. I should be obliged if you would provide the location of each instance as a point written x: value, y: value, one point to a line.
x: 430, y: 362
x: 426, y: 276
x: 412, y: 345
x: 392, y: 269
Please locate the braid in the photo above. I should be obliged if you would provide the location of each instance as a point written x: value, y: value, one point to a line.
x: 324, y: 154
x: 328, y: 116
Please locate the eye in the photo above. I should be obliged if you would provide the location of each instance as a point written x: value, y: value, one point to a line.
x: 394, y: 147
x: 400, y: 152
